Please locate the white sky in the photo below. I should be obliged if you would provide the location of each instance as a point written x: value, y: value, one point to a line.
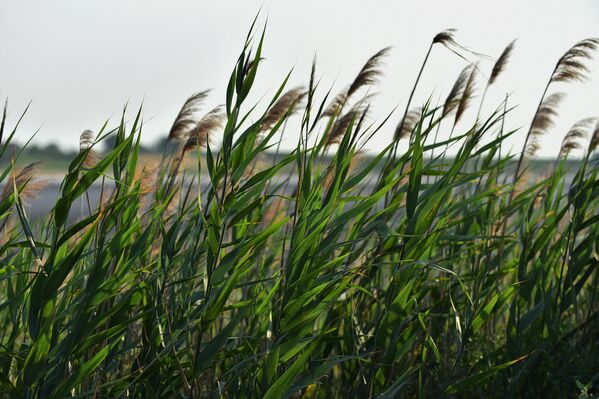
x: 80, y: 61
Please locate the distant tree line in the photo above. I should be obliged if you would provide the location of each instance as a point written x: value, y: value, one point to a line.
x: 53, y: 151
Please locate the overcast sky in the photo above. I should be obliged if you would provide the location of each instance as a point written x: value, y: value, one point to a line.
x: 81, y: 61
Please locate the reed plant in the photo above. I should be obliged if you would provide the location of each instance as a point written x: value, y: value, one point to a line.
x: 402, y: 274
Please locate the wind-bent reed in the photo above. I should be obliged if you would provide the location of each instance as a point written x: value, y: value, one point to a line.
x: 323, y: 271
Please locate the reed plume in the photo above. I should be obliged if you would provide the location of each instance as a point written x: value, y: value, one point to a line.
x: 446, y: 37
x: 178, y: 141
x: 370, y: 72
x: 543, y: 120
x: 453, y: 99
x: 501, y: 62
x: 147, y: 177
x: 340, y: 127
x: 368, y: 75
x: 571, y: 66
x: 336, y: 104
x: 467, y: 94
x: 459, y: 98
x: 578, y: 131
x: 456, y: 93
x: 203, y: 130
x: 405, y: 127
x: 498, y: 68
x: 27, y: 185
x: 186, y: 118
x: 26, y: 181
x: 533, y: 146
x: 198, y: 136
x: 285, y: 105
x: 86, y: 140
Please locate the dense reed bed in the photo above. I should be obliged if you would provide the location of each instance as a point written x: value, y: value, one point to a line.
x: 324, y: 273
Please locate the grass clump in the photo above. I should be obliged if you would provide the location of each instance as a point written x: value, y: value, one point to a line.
x: 407, y: 274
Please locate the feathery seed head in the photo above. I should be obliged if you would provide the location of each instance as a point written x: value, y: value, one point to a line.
x: 26, y: 182
x: 501, y: 62
x: 405, y: 127
x: 545, y: 117
x: 467, y: 94
x: 340, y: 127
x: 86, y: 140
x: 370, y: 72
x: 203, y: 130
x: 456, y: 91
x: 336, y: 104
x: 187, y: 117
x: 285, y: 105
x: 446, y: 37
x: 571, y: 66
x: 579, y: 130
